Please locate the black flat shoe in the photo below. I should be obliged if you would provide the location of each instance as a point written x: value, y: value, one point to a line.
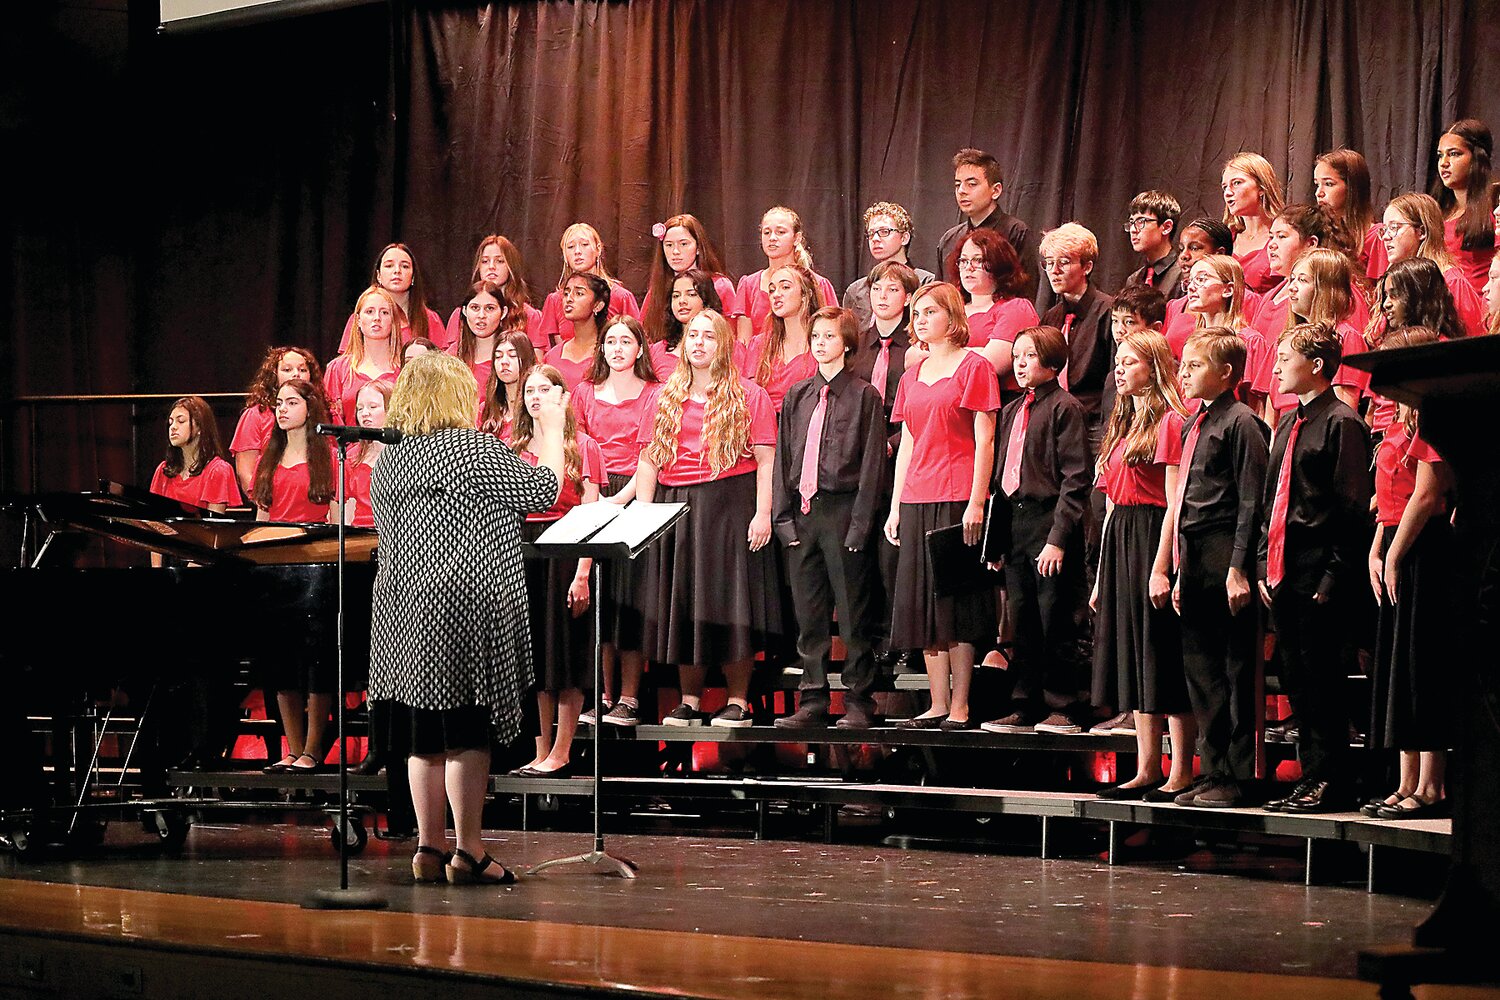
x: 1423, y: 809
x: 954, y: 726
x: 1119, y: 793
x: 1159, y: 795
x: 297, y: 767
x: 931, y: 722
x: 1372, y: 808
x: 281, y: 765
x: 566, y: 771
x: 372, y: 765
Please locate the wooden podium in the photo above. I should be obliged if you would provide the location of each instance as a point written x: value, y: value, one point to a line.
x: 1457, y: 386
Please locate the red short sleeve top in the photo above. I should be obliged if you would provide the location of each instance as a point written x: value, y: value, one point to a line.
x: 689, y: 466
x: 616, y: 426
x: 253, y: 430
x: 1396, y: 461
x: 940, y: 418
x: 215, y: 484
x: 1144, y: 485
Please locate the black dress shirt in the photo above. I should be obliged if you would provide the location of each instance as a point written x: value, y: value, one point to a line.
x: 861, y: 364
x: 851, y: 455
x: 1026, y: 243
x: 1055, y: 462
x: 1166, y: 276
x: 1091, y: 347
x: 1227, y: 478
x: 1328, y: 511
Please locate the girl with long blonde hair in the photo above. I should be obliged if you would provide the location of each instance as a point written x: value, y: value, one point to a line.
x: 711, y: 587
x: 1320, y: 293
x: 781, y: 356
x: 784, y: 242
x: 372, y: 354
x: 1252, y: 199
x: 1137, y: 643
x: 1412, y: 226
x: 1216, y: 298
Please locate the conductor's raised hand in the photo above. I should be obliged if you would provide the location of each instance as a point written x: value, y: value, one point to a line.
x: 553, y: 414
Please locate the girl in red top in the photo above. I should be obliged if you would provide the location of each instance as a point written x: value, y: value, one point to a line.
x: 1463, y: 194
x: 1410, y: 574
x: 612, y: 405
x: 586, y: 307
x: 582, y: 253
x: 1137, y: 643
x: 1413, y: 294
x: 711, y: 587
x: 369, y: 411
x: 781, y: 356
x: 1216, y: 297
x: 684, y: 246
x: 992, y: 281
x: 281, y: 364
x: 692, y: 292
x: 480, y: 316
x: 396, y: 271
x: 1320, y: 294
x: 562, y: 623
x: 1412, y: 227
x: 372, y: 353
x: 514, y: 357
x: 946, y: 406
x: 784, y: 242
x: 295, y: 483
x: 1252, y: 199
x: 1341, y: 184
x: 194, y: 470
x: 499, y: 262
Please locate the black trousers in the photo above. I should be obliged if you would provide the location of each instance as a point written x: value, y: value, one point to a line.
x: 1220, y: 655
x: 1311, y: 639
x: 1093, y: 518
x: 825, y: 575
x: 1043, y: 608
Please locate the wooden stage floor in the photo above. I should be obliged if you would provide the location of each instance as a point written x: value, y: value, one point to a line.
x: 709, y: 917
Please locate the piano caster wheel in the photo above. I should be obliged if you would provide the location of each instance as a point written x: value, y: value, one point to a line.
x: 171, y: 829
x: 355, y: 836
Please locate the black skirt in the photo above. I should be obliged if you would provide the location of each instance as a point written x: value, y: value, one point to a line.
x: 1137, y: 648
x: 1411, y: 704
x: 427, y: 732
x: 562, y: 646
x: 709, y: 600
x: 919, y: 618
x: 621, y: 603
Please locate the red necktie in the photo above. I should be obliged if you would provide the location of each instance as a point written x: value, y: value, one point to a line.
x: 808, y: 485
x: 1150, y: 276
x: 1182, y: 481
x: 1010, y: 476
x: 1062, y: 376
x: 882, y: 370
x: 1276, y: 530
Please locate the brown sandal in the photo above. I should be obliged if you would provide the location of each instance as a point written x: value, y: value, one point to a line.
x: 462, y: 869
x: 428, y: 863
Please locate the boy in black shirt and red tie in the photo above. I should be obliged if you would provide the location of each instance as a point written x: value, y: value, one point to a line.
x: 1218, y: 505
x: 828, y: 483
x: 1317, y: 503
x: 1043, y: 470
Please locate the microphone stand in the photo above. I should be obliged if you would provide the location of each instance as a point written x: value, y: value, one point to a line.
x: 342, y: 898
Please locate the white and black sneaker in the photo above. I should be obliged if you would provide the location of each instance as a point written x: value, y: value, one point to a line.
x: 587, y: 718
x: 622, y: 715
x: 682, y: 715
x: 732, y: 717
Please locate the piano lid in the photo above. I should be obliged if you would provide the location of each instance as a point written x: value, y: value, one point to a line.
x: 145, y: 520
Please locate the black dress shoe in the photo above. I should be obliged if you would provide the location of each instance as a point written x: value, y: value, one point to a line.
x: 1422, y: 810
x: 855, y: 717
x: 372, y: 765
x: 1279, y: 804
x: 931, y: 722
x: 1119, y: 793
x: 1319, y: 797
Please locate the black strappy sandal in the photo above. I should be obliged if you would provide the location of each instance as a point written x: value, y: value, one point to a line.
x: 429, y: 863
x: 462, y: 869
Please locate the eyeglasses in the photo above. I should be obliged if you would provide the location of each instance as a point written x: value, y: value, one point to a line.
x: 970, y: 263
x: 1393, y: 229
x: 1056, y: 263
x: 1139, y: 222
x: 883, y: 233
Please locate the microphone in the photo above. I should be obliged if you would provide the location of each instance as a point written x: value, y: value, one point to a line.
x: 346, y: 433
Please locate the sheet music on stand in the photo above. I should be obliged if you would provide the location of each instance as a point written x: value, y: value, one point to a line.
x: 625, y: 531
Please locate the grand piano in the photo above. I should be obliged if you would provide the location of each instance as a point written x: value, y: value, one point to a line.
x: 231, y: 591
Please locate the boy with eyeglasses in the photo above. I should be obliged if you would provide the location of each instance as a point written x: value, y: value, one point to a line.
x: 1151, y: 224
x: 888, y: 231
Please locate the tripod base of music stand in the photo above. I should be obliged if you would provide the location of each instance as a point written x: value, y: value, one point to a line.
x: 598, y: 859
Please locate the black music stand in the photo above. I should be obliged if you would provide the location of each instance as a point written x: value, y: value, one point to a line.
x: 343, y: 898
x: 599, y: 552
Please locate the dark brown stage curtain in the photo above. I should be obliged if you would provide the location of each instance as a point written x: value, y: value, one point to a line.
x: 252, y: 175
